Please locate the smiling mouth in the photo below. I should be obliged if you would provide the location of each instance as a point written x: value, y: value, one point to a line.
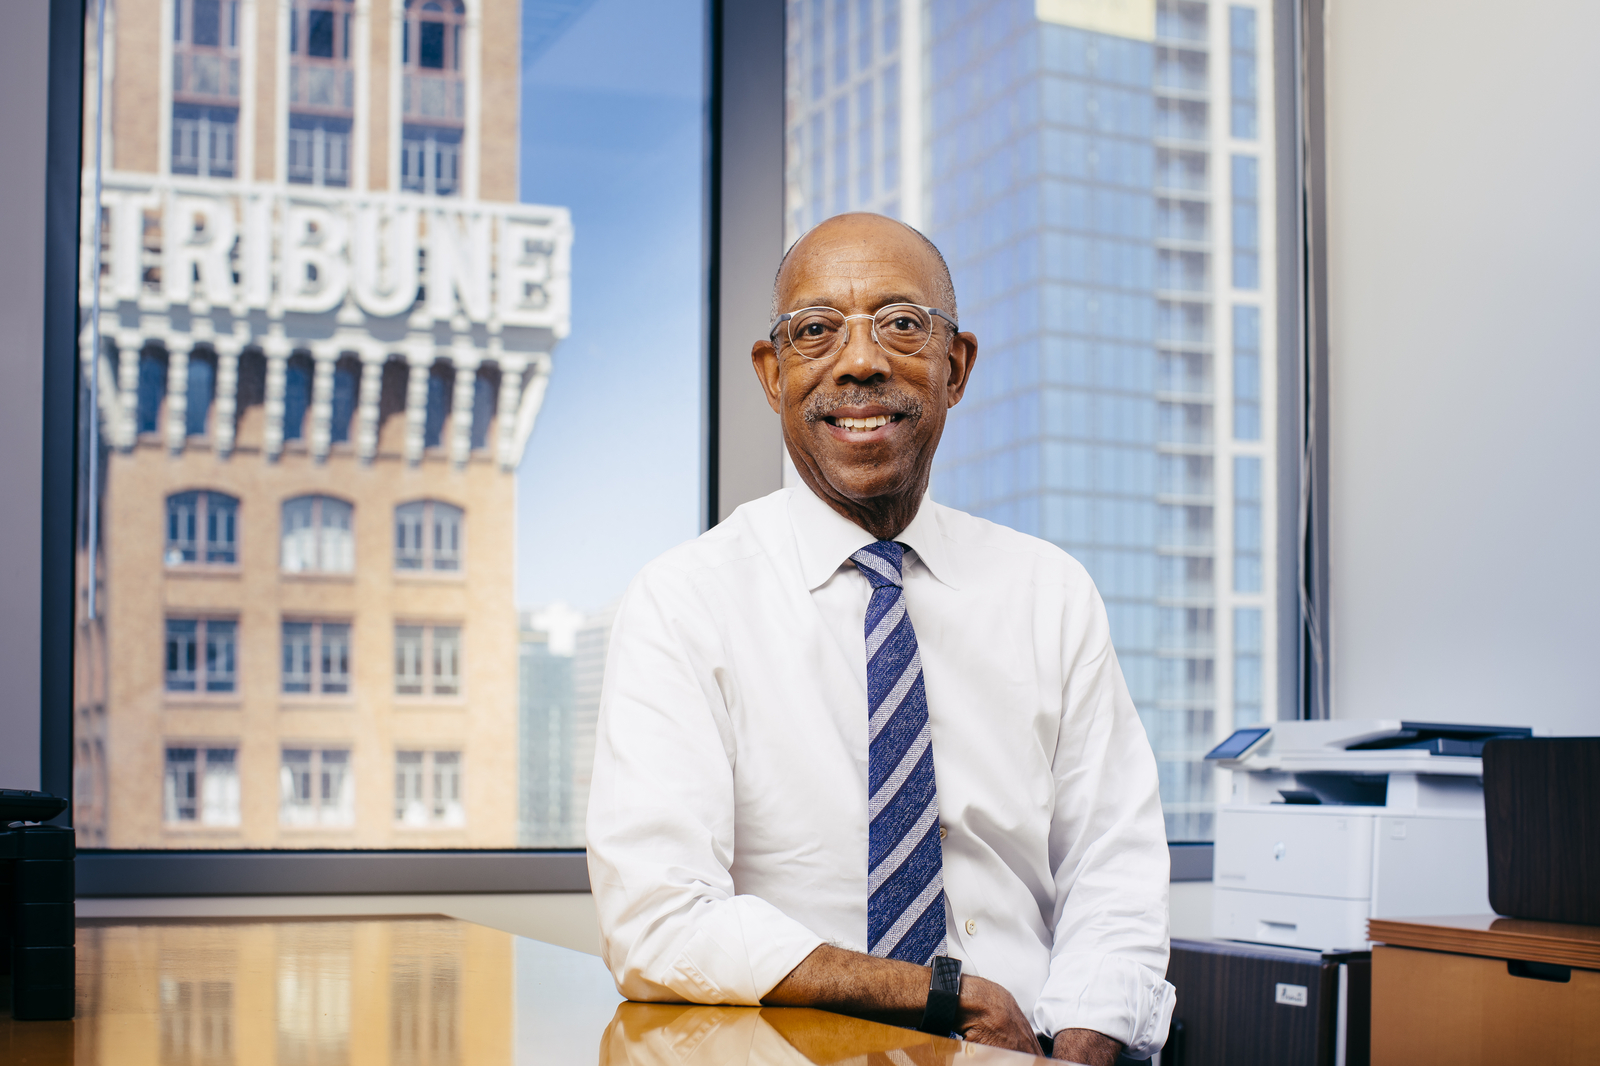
x: 863, y: 425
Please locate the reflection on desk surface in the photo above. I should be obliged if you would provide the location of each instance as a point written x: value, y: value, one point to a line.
x: 422, y: 991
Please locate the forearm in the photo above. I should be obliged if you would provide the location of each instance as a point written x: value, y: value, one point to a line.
x: 884, y: 990
x: 849, y: 982
x: 1086, y: 1046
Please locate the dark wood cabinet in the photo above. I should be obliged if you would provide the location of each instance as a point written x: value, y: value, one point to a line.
x: 1258, y: 1005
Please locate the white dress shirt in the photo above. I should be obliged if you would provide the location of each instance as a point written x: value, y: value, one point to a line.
x: 727, y: 826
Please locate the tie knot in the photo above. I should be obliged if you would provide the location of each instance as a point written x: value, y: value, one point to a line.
x: 880, y: 561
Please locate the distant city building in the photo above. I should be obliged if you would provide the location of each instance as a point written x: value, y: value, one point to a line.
x: 563, y: 663
x: 1095, y: 171
x: 546, y: 712
x: 326, y: 330
x: 588, y: 672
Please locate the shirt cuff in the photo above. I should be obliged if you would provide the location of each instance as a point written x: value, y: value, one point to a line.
x: 739, y: 953
x: 1109, y: 994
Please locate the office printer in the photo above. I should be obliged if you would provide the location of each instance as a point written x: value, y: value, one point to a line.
x: 1334, y: 822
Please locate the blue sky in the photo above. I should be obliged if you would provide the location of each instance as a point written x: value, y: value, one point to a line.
x: 612, y: 119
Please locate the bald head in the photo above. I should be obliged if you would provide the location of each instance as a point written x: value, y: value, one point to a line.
x: 867, y: 227
x: 862, y: 420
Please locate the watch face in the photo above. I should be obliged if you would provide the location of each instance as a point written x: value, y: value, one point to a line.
x: 946, y: 974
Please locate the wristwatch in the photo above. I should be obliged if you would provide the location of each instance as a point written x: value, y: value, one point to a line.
x: 944, y: 997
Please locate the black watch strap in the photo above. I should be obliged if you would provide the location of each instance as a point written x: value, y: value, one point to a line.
x: 944, y: 997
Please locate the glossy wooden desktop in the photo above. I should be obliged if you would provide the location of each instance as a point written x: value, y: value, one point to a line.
x: 423, y: 991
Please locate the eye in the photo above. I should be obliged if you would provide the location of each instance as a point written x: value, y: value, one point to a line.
x: 903, y: 322
x: 813, y: 329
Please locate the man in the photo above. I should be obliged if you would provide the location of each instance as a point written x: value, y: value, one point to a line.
x: 849, y: 731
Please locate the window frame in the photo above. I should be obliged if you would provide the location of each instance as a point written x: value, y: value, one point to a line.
x: 318, y: 652
x: 742, y: 202
x: 202, y: 543
x: 429, y: 553
x: 317, y: 525
x: 205, y: 751
x: 201, y: 653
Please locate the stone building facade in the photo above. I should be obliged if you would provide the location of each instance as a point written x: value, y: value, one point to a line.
x: 325, y: 328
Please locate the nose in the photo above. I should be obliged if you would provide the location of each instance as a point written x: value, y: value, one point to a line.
x: 861, y: 361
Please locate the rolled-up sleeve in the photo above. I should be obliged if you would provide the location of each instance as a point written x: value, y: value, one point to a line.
x: 1109, y: 852
x: 661, y: 813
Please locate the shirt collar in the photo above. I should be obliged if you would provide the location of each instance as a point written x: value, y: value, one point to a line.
x: 827, y: 538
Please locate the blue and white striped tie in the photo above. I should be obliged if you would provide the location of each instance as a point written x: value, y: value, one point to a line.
x: 905, y: 864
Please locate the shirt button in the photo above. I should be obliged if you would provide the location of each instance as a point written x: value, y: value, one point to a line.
x: 972, y: 927
x: 942, y: 832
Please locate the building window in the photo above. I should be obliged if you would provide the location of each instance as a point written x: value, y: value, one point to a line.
x: 427, y: 788
x: 1247, y: 373
x: 430, y: 160
x: 202, y: 527
x: 1246, y: 523
x: 317, y: 536
x: 316, y: 658
x: 205, y: 87
x: 433, y: 96
x: 317, y: 787
x: 319, y: 150
x: 1242, y: 71
x: 427, y: 660
x: 321, y: 92
x: 1246, y: 666
x: 201, y: 787
x: 201, y: 655
x: 427, y: 536
x: 1246, y: 224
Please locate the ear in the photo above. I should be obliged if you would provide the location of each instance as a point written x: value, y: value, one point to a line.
x: 963, y: 353
x: 764, y: 358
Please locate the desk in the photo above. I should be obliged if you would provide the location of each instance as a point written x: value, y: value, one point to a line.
x: 419, y: 991
x: 1483, y: 989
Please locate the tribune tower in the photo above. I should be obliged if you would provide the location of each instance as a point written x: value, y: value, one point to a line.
x: 325, y: 331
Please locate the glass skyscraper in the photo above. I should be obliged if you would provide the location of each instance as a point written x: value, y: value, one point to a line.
x: 1091, y: 171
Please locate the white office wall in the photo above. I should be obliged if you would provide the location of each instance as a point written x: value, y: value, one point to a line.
x: 1463, y: 141
x: 24, y: 69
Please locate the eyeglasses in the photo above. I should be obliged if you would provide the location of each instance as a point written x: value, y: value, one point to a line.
x: 819, y: 332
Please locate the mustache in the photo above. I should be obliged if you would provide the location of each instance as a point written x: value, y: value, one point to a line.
x: 823, y: 404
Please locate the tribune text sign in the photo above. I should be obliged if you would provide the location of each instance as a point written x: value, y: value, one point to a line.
x: 287, y: 251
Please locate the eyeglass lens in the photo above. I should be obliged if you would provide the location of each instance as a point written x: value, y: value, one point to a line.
x: 900, y: 329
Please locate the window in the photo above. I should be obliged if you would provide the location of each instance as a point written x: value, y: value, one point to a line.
x: 318, y: 536
x: 318, y: 787
x: 201, y: 787
x: 427, y: 536
x: 1246, y: 224
x: 200, y: 655
x: 406, y: 374
x: 430, y: 160
x: 427, y: 789
x: 202, y: 527
x: 321, y: 92
x: 427, y: 660
x: 1085, y: 181
x: 1246, y: 523
x: 1247, y: 688
x: 1242, y: 71
x: 316, y: 658
x: 205, y: 87
x: 433, y: 104
x: 1246, y: 373
x: 319, y: 150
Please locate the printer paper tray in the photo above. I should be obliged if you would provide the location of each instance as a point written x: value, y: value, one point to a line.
x: 1316, y: 922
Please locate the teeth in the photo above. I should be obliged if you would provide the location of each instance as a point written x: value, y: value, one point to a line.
x: 864, y: 424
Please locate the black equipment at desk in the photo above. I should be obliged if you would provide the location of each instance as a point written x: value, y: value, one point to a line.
x: 1541, y: 800
x: 36, y: 905
x: 1262, y: 1005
